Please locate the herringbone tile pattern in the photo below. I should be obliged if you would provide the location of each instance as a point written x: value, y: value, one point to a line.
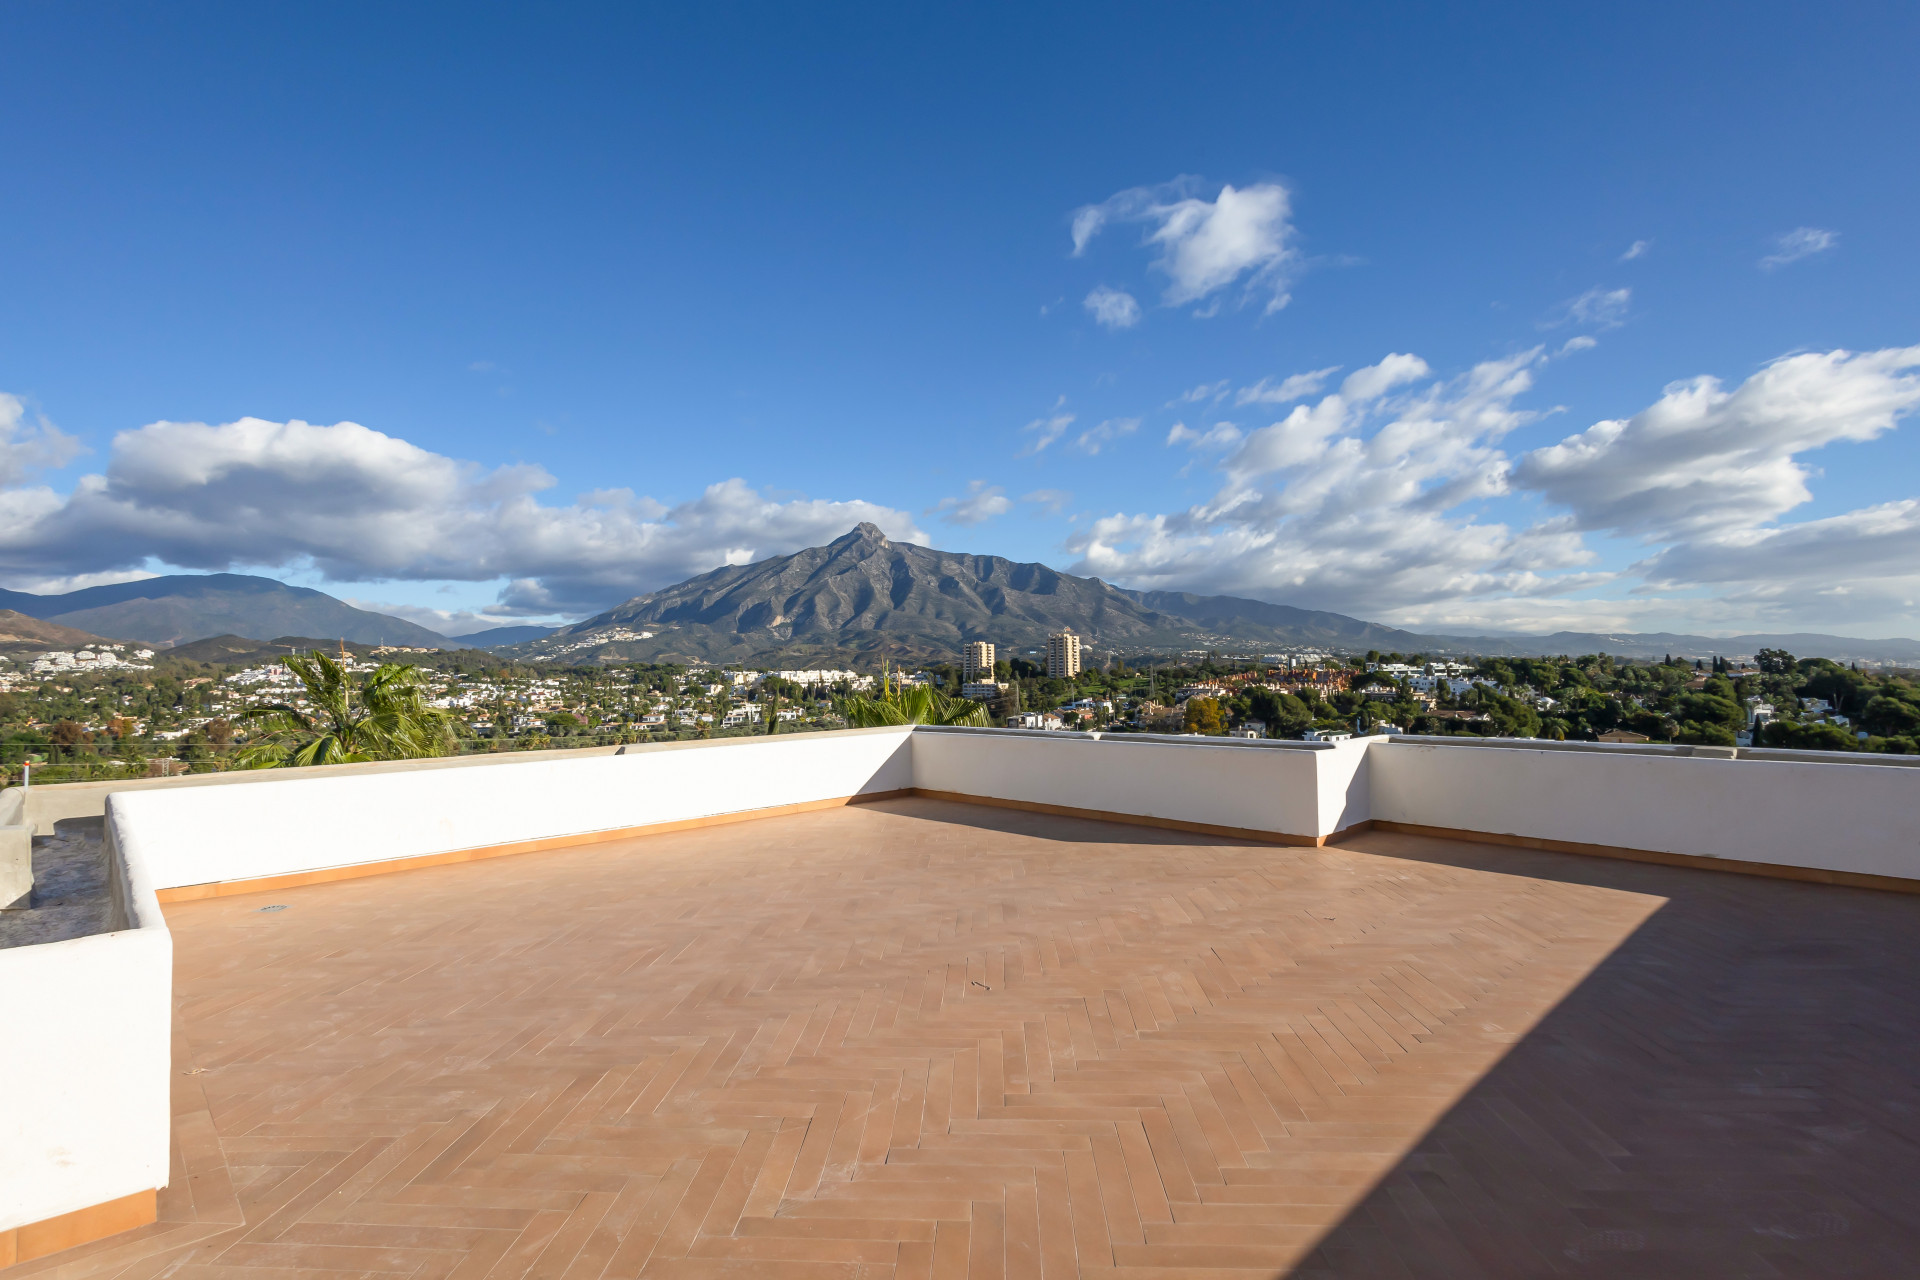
x: 922, y: 1039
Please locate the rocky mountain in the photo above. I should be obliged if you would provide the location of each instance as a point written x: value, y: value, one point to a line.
x: 180, y: 608
x: 865, y: 595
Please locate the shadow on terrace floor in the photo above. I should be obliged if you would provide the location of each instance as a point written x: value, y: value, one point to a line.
x: 1734, y: 1092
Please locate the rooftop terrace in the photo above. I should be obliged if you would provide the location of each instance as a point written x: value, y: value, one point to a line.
x: 922, y: 1038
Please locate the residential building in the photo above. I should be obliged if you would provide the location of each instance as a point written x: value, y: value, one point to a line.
x: 976, y: 662
x: 983, y: 690
x: 1063, y: 655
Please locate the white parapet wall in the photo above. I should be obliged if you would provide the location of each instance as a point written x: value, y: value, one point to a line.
x: 208, y: 835
x: 1299, y: 790
x: 84, y: 1049
x: 85, y: 1044
x: 1822, y: 811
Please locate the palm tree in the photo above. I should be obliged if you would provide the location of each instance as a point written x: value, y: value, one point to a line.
x: 903, y: 703
x: 386, y: 717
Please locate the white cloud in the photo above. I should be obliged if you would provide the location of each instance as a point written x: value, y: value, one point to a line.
x: 1605, y: 308
x: 1378, y: 379
x: 1369, y: 502
x: 1350, y: 503
x: 1094, y: 439
x: 1223, y: 435
x: 1205, y: 246
x: 980, y: 503
x: 1048, y: 429
x: 1703, y: 458
x: 29, y: 447
x: 1295, y: 387
x: 1801, y: 242
x: 1859, y: 567
x: 1112, y: 309
x: 1638, y: 249
x: 356, y: 505
x: 448, y: 622
x: 1051, y: 501
x: 1579, y: 342
x: 1205, y: 391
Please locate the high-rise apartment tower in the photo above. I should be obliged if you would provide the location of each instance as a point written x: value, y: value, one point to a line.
x: 1063, y: 655
x: 976, y: 662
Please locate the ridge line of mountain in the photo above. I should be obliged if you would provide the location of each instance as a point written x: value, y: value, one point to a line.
x: 861, y: 596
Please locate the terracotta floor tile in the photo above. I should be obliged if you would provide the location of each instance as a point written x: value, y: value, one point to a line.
x: 926, y: 1039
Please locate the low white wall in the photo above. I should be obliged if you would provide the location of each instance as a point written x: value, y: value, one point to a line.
x: 48, y: 803
x: 1830, y: 813
x: 85, y: 1043
x: 1226, y: 782
x: 199, y: 835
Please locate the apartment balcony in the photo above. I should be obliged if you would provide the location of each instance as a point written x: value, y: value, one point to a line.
x: 977, y: 1002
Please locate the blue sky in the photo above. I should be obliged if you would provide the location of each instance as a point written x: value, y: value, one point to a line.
x: 615, y: 296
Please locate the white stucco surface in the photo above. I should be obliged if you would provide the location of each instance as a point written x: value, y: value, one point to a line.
x: 268, y: 828
x: 1220, y: 781
x: 1828, y: 814
x: 85, y: 1048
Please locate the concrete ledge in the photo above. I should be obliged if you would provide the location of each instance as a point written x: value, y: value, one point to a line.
x: 1772, y: 870
x: 82, y: 1226
x: 392, y: 866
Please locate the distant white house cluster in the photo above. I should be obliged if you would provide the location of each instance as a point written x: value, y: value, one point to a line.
x: 73, y: 661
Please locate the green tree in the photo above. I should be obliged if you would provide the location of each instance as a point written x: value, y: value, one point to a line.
x: 1203, y: 716
x: 1774, y: 662
x: 384, y: 717
x: 900, y: 703
x: 1890, y: 717
x: 1807, y: 737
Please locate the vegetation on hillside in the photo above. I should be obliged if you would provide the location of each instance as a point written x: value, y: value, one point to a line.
x: 383, y: 717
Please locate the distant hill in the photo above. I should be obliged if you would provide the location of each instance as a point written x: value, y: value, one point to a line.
x: 18, y: 632
x: 181, y: 608
x: 1657, y: 644
x: 501, y: 636
x: 863, y: 594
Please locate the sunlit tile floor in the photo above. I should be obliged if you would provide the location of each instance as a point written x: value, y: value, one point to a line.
x: 928, y: 1039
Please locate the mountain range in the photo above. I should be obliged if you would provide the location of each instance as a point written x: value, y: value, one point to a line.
x: 862, y: 596
x: 183, y: 607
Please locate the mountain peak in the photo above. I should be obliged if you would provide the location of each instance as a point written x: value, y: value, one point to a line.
x: 864, y: 537
x: 864, y: 593
x: 865, y: 531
